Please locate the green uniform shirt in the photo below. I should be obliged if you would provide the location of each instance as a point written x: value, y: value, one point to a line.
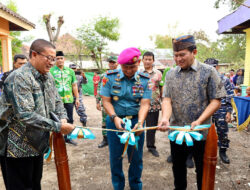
x: 64, y: 79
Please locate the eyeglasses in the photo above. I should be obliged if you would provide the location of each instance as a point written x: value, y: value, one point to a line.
x: 49, y: 58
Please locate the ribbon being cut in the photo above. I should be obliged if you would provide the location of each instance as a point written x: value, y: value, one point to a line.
x: 128, y: 137
x: 178, y: 134
x: 187, y: 134
x: 77, y: 133
x: 81, y: 133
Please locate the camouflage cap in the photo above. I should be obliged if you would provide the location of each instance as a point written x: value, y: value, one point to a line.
x: 112, y: 59
x: 212, y: 62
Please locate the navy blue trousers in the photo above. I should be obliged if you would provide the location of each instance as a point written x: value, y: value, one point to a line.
x: 115, y: 153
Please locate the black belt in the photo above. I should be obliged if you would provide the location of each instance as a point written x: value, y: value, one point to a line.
x: 128, y: 116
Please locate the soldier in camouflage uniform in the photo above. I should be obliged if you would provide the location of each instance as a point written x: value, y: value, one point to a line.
x: 222, y: 116
x: 112, y: 66
x: 29, y: 97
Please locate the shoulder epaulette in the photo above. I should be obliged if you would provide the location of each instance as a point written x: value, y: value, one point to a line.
x: 146, y: 75
x: 109, y: 72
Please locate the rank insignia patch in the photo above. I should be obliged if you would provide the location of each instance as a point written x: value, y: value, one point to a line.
x: 104, y: 81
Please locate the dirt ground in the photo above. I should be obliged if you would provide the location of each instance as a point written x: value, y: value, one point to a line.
x: 89, y: 165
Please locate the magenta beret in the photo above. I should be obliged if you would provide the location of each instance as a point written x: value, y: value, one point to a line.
x: 129, y: 56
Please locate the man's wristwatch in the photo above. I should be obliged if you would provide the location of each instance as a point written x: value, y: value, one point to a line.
x: 112, y: 117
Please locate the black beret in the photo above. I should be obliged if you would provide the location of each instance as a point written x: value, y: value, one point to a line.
x: 59, y: 53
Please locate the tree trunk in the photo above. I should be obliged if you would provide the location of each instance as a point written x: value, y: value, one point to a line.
x: 60, y: 22
x: 100, y: 53
x: 46, y: 19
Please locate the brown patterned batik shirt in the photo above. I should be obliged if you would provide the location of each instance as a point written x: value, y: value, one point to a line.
x: 191, y: 91
x: 154, y: 85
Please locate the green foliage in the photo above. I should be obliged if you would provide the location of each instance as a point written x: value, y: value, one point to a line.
x: 228, y: 49
x: 163, y: 41
x: 233, y: 4
x: 16, y: 43
x: 232, y: 47
x: 107, y: 28
x: 142, y: 51
x: 95, y: 37
x: 12, y: 5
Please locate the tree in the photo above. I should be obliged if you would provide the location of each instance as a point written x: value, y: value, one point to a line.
x: 95, y: 37
x: 165, y: 41
x: 233, y: 4
x: 51, y: 30
x: 80, y: 50
x: 228, y: 49
x: 233, y: 45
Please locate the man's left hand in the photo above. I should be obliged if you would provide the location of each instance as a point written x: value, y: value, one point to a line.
x: 195, y: 123
x: 77, y: 103
x: 138, y: 126
x: 64, y: 120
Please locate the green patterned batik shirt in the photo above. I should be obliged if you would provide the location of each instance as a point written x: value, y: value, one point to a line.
x: 64, y: 80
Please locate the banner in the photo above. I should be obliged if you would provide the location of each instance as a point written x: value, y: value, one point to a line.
x: 241, y: 106
x: 88, y: 89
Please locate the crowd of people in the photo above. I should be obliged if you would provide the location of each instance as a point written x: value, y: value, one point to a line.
x: 192, y: 93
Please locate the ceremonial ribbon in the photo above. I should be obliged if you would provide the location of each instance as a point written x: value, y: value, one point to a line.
x: 81, y: 133
x: 78, y: 132
x: 48, y: 155
x: 179, y: 136
x: 128, y: 137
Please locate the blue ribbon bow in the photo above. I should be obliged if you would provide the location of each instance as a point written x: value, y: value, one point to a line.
x: 178, y: 136
x: 87, y: 134
x: 128, y: 136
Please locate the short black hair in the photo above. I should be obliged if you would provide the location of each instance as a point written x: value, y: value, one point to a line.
x: 19, y: 56
x: 39, y: 45
x: 191, y: 48
x: 232, y: 70
x: 149, y: 53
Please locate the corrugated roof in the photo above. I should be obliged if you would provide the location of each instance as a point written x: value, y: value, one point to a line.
x: 12, y: 13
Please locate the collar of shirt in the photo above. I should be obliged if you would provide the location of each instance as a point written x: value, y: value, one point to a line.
x: 59, y: 68
x: 153, y: 71
x: 36, y: 73
x: 123, y: 76
x: 194, y: 66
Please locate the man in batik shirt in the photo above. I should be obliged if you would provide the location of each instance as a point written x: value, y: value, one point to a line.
x: 155, y: 104
x: 31, y: 95
x: 191, y: 94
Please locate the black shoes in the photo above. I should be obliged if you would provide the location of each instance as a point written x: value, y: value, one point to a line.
x: 103, y: 143
x: 169, y: 159
x: 154, y: 152
x: 223, y: 156
x: 70, y: 141
x: 189, y: 161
